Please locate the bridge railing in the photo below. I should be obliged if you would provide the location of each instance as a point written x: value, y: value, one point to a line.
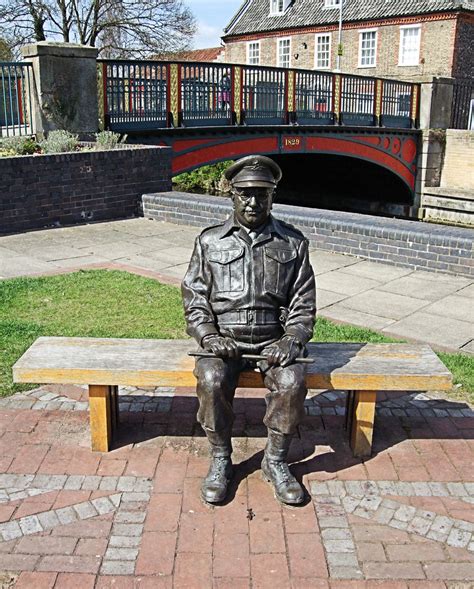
x: 16, y: 87
x: 155, y: 94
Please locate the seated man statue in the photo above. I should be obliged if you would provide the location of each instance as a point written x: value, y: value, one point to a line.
x: 250, y: 289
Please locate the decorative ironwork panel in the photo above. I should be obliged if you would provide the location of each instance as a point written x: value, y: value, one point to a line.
x: 462, y: 116
x: 264, y: 93
x: 16, y: 88
x: 135, y: 94
x: 357, y: 100
x: 150, y: 94
x: 205, y: 94
x: 397, y: 104
x: 314, y: 98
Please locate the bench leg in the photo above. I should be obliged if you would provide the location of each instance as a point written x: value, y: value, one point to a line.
x: 363, y: 414
x: 114, y: 407
x: 101, y: 418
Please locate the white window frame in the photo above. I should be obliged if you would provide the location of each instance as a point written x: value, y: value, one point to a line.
x: 332, y: 3
x: 401, y: 61
x: 316, y: 54
x: 249, y: 43
x: 280, y: 40
x: 274, y: 7
x: 361, y: 32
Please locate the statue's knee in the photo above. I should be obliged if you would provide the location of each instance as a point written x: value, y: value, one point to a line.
x: 291, y: 380
x: 211, y: 376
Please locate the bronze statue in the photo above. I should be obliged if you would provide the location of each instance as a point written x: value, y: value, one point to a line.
x: 250, y: 289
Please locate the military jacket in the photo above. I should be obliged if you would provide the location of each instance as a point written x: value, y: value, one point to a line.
x: 234, y: 280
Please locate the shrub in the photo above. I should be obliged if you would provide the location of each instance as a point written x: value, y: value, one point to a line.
x: 18, y: 145
x: 59, y: 142
x: 207, y: 178
x: 107, y: 140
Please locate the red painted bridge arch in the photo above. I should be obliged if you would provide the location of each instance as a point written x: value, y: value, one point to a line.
x: 392, y: 149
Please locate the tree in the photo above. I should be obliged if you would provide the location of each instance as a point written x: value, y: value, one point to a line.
x: 6, y: 53
x: 119, y: 28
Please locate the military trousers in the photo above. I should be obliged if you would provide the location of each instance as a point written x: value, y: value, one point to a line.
x: 217, y: 380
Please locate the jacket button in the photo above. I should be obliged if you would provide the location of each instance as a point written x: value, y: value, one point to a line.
x: 250, y: 316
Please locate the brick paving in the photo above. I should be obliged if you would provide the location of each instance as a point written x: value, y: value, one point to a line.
x: 132, y: 518
x: 403, y: 519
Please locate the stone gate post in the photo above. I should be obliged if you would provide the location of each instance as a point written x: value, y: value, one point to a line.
x: 65, y: 87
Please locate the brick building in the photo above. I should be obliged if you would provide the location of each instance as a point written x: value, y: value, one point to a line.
x: 400, y: 39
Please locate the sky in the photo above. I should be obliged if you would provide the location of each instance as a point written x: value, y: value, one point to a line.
x: 212, y: 16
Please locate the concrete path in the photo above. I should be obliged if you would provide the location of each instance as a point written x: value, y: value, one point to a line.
x: 414, y: 305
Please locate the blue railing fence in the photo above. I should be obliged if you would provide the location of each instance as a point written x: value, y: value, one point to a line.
x: 155, y: 94
x: 16, y: 89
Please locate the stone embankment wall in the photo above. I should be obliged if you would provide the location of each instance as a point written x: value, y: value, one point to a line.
x: 51, y: 190
x: 403, y: 243
x: 448, y: 194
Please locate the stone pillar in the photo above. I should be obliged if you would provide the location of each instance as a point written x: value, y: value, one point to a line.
x: 65, y: 87
x: 436, y: 103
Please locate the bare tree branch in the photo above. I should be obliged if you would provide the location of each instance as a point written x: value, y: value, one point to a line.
x: 119, y: 28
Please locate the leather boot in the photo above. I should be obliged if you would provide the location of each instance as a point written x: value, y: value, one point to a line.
x: 214, y: 486
x: 275, y: 469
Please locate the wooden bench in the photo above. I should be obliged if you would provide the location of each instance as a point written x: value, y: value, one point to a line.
x: 103, y: 364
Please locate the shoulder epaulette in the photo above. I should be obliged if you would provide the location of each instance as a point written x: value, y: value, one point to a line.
x: 292, y: 228
x: 206, y: 229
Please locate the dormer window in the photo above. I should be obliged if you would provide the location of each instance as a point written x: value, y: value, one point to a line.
x: 278, y: 7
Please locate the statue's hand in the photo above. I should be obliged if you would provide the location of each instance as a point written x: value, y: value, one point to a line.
x: 222, y: 347
x: 283, y: 352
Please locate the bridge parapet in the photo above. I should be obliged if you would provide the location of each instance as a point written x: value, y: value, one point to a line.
x: 148, y: 95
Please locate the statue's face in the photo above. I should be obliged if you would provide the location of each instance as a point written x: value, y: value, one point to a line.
x: 252, y: 205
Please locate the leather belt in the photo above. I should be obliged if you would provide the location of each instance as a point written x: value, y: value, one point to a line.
x: 250, y: 317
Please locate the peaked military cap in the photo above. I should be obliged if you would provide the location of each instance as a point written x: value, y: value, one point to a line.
x: 254, y: 170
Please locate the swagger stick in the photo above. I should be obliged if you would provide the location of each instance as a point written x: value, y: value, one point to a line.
x: 248, y: 357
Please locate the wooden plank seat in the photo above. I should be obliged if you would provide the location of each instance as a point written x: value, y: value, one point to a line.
x: 103, y: 364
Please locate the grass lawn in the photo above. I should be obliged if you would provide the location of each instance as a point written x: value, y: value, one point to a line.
x: 101, y: 303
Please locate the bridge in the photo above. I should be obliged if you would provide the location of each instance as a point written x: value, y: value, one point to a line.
x: 209, y: 112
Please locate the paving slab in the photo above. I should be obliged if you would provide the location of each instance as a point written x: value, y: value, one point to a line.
x: 384, y: 304
x: 377, y: 271
x: 347, y: 284
x: 455, y: 306
x: 344, y: 314
x: 323, y: 261
x: 467, y: 291
x: 442, y: 332
x: 18, y: 265
x: 326, y: 298
x: 144, y: 262
x: 174, y: 256
x: 416, y: 286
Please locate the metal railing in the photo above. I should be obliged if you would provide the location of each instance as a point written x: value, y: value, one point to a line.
x: 154, y: 94
x: 16, y: 88
x: 462, y: 114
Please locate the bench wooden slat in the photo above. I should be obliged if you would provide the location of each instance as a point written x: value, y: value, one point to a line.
x: 135, y: 362
x: 102, y: 364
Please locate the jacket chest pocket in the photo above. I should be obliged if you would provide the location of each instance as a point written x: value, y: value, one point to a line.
x: 227, y: 269
x: 278, y: 269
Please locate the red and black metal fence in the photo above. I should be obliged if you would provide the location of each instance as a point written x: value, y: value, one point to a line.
x: 147, y: 95
x: 462, y: 114
x: 15, y: 98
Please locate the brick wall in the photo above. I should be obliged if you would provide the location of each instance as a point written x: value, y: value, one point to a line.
x: 464, y: 59
x: 47, y: 190
x: 437, y: 44
x: 458, y: 166
x: 402, y: 243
